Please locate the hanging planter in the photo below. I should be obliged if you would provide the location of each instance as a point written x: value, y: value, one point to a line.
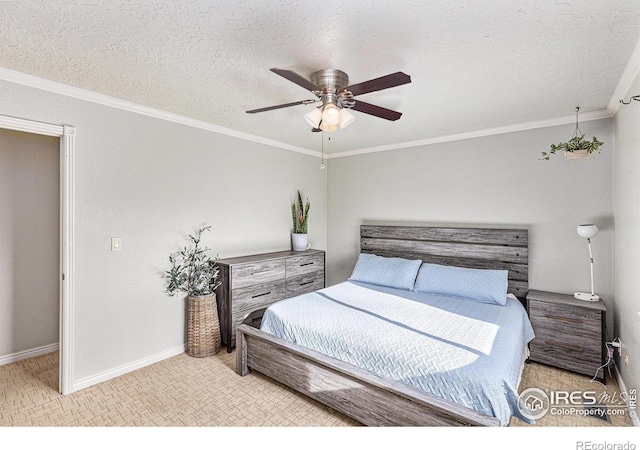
x: 576, y: 154
x: 576, y: 147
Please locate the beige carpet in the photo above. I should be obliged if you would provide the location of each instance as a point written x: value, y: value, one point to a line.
x: 184, y: 391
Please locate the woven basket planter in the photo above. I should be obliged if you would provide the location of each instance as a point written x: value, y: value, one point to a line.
x: 203, y: 327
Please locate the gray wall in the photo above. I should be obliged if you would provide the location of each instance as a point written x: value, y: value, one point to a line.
x: 489, y: 181
x: 29, y: 241
x: 626, y: 194
x: 151, y: 182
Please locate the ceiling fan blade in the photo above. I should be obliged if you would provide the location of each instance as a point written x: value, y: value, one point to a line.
x: 297, y: 79
x: 284, y: 105
x: 377, y: 111
x: 378, y: 84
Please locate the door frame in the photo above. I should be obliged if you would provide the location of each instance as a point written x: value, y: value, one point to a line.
x: 67, y: 136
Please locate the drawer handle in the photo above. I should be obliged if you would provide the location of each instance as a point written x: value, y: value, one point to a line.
x: 305, y: 283
x: 261, y: 295
x: 307, y: 264
x: 261, y: 271
x: 566, y: 347
x: 566, y: 319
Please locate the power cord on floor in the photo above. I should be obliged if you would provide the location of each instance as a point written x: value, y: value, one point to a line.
x: 611, y: 346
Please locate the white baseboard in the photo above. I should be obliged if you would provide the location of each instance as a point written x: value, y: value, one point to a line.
x: 26, y: 354
x: 623, y: 388
x: 113, y: 373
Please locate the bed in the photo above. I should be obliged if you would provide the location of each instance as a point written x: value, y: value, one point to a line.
x: 392, y: 349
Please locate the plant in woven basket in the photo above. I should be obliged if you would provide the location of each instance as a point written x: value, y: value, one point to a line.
x: 192, y: 270
x: 300, y: 215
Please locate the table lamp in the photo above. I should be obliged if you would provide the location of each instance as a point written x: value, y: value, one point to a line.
x: 588, y: 230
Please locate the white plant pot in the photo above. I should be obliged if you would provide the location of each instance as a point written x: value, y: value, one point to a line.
x: 299, y: 242
x: 576, y: 154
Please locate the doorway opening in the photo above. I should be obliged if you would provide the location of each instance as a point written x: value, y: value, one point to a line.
x: 66, y: 135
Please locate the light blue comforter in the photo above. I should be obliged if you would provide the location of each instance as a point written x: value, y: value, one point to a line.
x: 464, y: 351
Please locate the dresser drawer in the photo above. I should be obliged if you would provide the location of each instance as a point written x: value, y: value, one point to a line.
x: 250, y: 298
x: 305, y: 283
x: 300, y: 265
x: 564, y: 320
x: 566, y: 355
x: 251, y: 274
x: 564, y: 347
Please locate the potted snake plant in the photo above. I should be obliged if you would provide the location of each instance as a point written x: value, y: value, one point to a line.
x: 300, y: 215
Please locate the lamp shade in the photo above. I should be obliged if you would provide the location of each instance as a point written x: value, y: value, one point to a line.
x: 587, y: 230
x: 346, y: 118
x: 330, y: 118
x: 313, y: 117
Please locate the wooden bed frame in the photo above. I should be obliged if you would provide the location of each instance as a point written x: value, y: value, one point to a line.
x: 361, y: 395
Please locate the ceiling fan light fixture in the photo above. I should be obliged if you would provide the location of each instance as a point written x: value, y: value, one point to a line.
x: 346, y: 118
x: 314, y: 117
x: 330, y: 114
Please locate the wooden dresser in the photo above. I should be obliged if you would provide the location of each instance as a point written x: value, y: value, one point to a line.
x: 570, y: 333
x: 252, y: 283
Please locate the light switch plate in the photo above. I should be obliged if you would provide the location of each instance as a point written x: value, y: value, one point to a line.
x: 116, y: 244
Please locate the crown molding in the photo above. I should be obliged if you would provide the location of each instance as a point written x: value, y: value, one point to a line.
x: 631, y: 72
x: 106, y: 100
x: 584, y: 117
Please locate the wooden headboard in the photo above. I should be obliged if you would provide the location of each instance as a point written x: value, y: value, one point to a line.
x: 478, y: 248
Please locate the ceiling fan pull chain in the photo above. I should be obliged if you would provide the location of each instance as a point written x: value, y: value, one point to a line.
x: 322, y: 164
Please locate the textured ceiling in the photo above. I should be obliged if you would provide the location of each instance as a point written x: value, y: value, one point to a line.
x: 474, y: 64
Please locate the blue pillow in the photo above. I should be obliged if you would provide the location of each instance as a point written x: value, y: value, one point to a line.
x: 482, y: 285
x: 397, y: 273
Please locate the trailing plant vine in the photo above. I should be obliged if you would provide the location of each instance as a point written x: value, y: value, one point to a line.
x: 577, y: 142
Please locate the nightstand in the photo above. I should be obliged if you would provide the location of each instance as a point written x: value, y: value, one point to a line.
x: 570, y: 333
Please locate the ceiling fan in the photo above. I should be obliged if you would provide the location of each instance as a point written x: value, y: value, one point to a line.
x: 331, y: 87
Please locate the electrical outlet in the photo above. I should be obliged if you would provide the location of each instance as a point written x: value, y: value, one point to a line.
x: 615, y: 344
x: 626, y: 360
